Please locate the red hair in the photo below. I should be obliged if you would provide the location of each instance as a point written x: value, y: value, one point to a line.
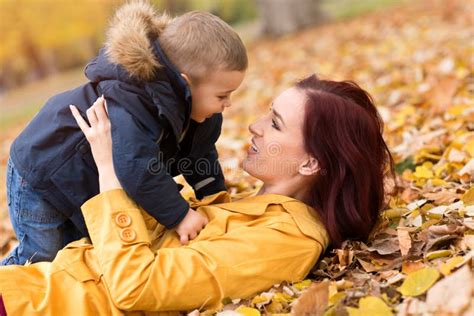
x: 343, y: 132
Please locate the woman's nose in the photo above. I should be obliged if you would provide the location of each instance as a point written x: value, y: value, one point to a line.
x: 253, y: 128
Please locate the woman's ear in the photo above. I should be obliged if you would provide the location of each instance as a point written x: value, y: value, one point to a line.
x: 186, y: 78
x: 309, y: 167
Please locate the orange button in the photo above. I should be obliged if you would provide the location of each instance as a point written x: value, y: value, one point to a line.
x: 128, y: 234
x: 123, y: 220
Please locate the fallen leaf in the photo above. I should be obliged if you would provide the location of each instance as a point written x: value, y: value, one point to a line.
x: 453, y: 294
x: 313, y: 301
x: 247, y: 311
x: 370, y: 305
x: 438, y: 254
x: 404, y: 241
x: 449, y: 265
x: 412, y: 266
x: 468, y: 196
x: 418, y: 282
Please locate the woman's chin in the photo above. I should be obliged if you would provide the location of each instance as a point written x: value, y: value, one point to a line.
x: 249, y: 166
x: 246, y: 165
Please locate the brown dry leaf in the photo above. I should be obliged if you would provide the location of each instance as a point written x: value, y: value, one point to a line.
x: 453, y: 294
x: 345, y: 257
x: 441, y: 197
x: 385, y: 246
x: 404, y: 241
x: 441, y: 94
x: 313, y: 301
x: 411, y: 266
x: 451, y: 229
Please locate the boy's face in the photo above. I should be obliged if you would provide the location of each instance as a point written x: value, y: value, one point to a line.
x: 212, y: 94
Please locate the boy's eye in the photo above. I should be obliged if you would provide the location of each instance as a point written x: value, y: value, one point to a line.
x: 222, y: 97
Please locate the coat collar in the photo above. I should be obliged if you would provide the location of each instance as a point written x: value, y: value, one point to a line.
x: 179, y: 113
x: 305, y: 217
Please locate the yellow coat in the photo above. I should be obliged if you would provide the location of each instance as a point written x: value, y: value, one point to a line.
x: 135, y: 264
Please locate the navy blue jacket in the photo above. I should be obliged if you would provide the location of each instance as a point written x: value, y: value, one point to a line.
x: 153, y: 137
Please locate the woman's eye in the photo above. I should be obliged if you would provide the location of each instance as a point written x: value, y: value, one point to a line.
x: 222, y: 97
x: 275, y: 125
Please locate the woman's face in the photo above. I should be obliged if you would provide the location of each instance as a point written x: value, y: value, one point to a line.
x: 277, y: 151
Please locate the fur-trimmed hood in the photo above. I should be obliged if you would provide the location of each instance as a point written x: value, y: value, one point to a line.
x: 128, y: 44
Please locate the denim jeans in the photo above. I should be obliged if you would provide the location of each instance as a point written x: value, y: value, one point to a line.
x: 40, y: 229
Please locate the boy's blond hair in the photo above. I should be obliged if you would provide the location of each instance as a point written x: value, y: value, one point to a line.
x: 197, y: 43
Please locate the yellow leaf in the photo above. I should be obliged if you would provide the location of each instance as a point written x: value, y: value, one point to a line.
x: 438, y: 182
x: 274, y: 307
x: 259, y: 299
x: 332, y: 289
x: 450, y: 265
x: 458, y: 109
x: 336, y: 298
x: 282, y: 298
x: 302, y: 285
x: 247, y: 311
x: 395, y: 212
x: 468, y: 197
x: 419, y: 282
x: 422, y: 172
x: 438, y: 254
x: 370, y: 305
x: 439, y: 169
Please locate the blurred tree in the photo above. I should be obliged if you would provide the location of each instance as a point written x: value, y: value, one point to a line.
x: 279, y: 17
x: 40, y: 37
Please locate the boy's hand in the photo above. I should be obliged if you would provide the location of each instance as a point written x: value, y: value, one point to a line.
x: 190, y: 226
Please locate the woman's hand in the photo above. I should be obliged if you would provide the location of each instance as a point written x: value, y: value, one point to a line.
x: 99, y: 136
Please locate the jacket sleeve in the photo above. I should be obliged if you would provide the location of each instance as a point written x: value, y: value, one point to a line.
x: 236, y: 264
x: 138, y: 164
x: 204, y: 172
x: 205, y: 175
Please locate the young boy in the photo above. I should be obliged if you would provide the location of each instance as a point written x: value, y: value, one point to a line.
x: 166, y: 83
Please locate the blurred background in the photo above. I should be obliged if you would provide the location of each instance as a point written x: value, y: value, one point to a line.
x: 40, y: 38
x: 415, y: 57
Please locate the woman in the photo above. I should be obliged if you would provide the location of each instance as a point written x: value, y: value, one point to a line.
x: 322, y: 158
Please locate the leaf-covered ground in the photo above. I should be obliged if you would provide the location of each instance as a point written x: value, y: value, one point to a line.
x: 417, y: 60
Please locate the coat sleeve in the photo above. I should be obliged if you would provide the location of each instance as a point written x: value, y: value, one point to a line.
x: 236, y: 264
x: 138, y: 164
x: 205, y: 175
x: 204, y: 172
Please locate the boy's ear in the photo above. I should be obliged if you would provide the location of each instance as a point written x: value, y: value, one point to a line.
x: 309, y: 167
x: 186, y: 77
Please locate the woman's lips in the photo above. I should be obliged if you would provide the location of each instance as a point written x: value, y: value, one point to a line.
x: 253, y: 149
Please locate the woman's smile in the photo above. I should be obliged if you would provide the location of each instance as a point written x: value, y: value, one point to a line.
x: 253, y: 149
